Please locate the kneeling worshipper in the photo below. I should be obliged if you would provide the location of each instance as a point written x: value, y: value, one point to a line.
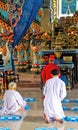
x: 13, y: 101
x: 54, y: 92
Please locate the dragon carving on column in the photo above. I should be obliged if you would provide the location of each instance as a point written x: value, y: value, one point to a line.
x: 6, y: 58
x: 13, y: 11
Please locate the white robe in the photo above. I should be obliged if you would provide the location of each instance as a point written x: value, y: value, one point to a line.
x: 13, y: 101
x: 54, y: 92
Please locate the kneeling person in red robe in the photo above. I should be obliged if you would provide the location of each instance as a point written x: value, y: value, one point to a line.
x: 46, y: 71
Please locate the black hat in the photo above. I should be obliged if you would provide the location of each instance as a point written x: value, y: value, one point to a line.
x: 55, y: 72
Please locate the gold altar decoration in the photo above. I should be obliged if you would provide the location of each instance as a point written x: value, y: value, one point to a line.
x: 35, y: 58
x: 58, y: 54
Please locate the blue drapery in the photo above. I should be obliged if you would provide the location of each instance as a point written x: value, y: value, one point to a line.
x: 29, y: 11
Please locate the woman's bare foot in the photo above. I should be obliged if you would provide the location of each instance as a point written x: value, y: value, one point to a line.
x: 21, y: 109
x: 46, y: 118
x: 58, y: 120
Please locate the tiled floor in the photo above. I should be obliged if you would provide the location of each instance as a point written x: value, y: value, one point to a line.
x: 33, y: 118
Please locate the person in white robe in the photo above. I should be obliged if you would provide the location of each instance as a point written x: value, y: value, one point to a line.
x: 54, y: 92
x: 13, y: 101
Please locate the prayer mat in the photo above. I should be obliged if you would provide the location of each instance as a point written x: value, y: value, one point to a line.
x: 27, y: 107
x: 75, y: 100
x: 65, y: 108
x: 71, y: 129
x: 0, y: 107
x: 4, y: 128
x: 29, y: 99
x: 66, y: 101
x: 25, y: 99
x: 43, y: 128
x: 71, y: 118
x: 52, y: 129
x: 74, y: 108
x: 10, y: 118
x: 1, y: 101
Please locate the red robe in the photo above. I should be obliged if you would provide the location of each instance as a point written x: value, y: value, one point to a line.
x: 46, y: 71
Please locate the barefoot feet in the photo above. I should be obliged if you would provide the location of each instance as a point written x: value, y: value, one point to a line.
x: 58, y: 120
x: 46, y: 118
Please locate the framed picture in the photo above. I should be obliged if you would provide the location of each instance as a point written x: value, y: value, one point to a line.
x: 66, y: 7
